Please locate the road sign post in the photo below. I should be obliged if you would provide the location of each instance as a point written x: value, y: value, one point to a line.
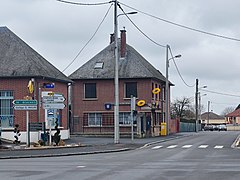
x: 22, y: 104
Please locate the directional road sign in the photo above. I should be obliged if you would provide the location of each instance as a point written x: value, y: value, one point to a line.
x: 26, y: 108
x: 22, y: 102
x: 36, y: 126
x: 53, y: 99
x: 26, y: 105
x: 53, y: 106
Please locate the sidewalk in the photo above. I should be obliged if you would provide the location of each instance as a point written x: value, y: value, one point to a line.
x: 80, y: 145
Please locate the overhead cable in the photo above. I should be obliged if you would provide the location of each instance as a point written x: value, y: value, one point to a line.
x: 183, y: 26
x: 88, y: 40
x: 84, y: 4
x: 140, y: 29
x: 179, y: 71
x: 225, y: 94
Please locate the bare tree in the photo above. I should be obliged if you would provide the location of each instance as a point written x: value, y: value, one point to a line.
x: 182, y: 108
x: 227, y: 110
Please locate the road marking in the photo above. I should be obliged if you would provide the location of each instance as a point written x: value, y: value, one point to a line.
x: 187, y: 146
x: 218, y: 147
x: 172, y: 146
x: 81, y: 166
x: 202, y: 146
x: 157, y: 147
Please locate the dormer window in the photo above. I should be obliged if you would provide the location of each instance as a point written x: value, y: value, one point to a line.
x: 98, y: 65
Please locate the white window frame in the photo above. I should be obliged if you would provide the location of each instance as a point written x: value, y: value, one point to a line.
x: 94, y: 119
x: 125, y: 118
x: 6, y: 114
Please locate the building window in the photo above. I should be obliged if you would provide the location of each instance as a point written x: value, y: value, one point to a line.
x: 90, y: 90
x: 94, y: 119
x: 130, y: 89
x: 6, y: 109
x: 124, y: 118
x: 98, y: 65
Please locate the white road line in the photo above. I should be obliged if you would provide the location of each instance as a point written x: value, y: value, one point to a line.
x: 81, y: 166
x: 187, y: 146
x: 156, y: 147
x: 202, y: 146
x: 172, y: 146
x: 218, y: 147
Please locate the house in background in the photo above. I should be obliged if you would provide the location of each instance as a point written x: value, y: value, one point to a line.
x: 19, y: 65
x: 93, y: 89
x: 234, y: 117
x: 212, y: 118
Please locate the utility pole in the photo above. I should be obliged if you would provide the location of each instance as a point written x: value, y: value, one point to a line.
x: 116, y: 81
x: 208, y: 112
x: 167, y: 92
x: 196, y: 104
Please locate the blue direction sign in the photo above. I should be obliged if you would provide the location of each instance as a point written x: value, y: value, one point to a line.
x: 22, y: 102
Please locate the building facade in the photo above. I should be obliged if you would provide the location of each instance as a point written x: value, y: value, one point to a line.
x: 93, y: 93
x: 22, y: 67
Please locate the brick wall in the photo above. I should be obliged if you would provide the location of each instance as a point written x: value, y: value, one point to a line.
x: 105, y: 94
x: 19, y: 88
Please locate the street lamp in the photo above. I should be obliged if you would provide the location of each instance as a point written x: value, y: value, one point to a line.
x: 167, y: 87
x: 133, y: 12
x: 116, y: 76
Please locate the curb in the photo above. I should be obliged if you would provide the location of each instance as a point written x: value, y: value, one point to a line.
x: 65, y: 154
x: 86, y: 153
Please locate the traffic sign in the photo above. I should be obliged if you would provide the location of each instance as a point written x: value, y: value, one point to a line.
x: 22, y: 102
x: 48, y: 85
x: 36, y: 126
x: 53, y: 99
x: 26, y: 108
x: 53, y: 106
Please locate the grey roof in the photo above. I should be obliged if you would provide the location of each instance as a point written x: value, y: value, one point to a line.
x: 133, y: 66
x: 211, y: 116
x: 18, y: 59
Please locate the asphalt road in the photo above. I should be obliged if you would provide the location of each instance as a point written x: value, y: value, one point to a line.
x: 205, y: 155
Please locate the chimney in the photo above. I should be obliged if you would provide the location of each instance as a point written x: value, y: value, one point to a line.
x: 112, y: 38
x: 123, y: 44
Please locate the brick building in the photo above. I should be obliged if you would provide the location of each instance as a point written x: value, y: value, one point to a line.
x: 94, y: 88
x: 19, y: 65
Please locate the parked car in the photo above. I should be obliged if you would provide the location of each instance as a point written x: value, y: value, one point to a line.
x: 222, y: 127
x: 215, y: 127
x: 208, y: 127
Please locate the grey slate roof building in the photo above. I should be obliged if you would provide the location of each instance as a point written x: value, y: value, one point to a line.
x: 211, y: 116
x: 134, y: 65
x: 19, y: 60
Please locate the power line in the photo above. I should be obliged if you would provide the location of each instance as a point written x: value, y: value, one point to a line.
x: 225, y: 94
x: 88, y: 40
x: 222, y: 103
x: 140, y: 29
x: 183, y: 26
x: 156, y: 44
x: 84, y: 4
x: 179, y: 71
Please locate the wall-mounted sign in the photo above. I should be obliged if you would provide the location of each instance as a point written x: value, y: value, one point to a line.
x: 48, y: 85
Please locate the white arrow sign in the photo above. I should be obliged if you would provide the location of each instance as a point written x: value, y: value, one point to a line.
x: 53, y: 106
x: 26, y: 108
x: 53, y: 99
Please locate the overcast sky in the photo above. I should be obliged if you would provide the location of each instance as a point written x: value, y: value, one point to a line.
x: 58, y: 31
